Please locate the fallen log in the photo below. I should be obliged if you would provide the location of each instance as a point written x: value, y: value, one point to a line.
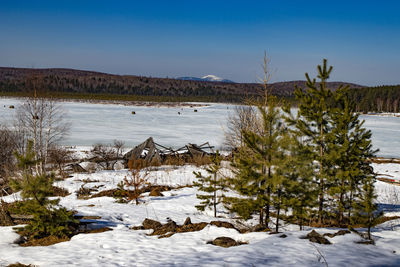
x: 389, y: 181
x: 21, y: 217
x: 380, y: 160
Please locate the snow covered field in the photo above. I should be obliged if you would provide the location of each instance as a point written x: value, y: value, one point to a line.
x: 91, y: 123
x: 125, y: 247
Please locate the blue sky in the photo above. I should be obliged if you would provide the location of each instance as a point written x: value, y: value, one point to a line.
x: 361, y: 39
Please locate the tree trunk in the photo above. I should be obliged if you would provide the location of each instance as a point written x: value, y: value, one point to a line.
x: 301, y: 219
x: 278, y: 211
x: 369, y: 226
x: 35, y: 129
x: 267, y: 208
x: 341, y: 204
x: 350, y: 201
x: 321, y: 181
x: 215, y: 195
x: 261, y: 219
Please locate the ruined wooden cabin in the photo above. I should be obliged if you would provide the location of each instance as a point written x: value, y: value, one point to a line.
x: 152, y: 153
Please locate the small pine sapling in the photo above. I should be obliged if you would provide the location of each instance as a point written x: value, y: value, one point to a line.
x: 121, y: 194
x: 365, y: 208
x: 210, y: 184
x: 48, y: 218
x: 136, y: 181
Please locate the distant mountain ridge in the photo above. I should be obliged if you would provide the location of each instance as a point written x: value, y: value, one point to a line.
x: 91, y: 82
x: 207, y: 78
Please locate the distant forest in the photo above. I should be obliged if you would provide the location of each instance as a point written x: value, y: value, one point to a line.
x: 69, y: 83
x: 376, y: 99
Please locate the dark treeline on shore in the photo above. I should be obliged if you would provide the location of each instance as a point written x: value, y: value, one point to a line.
x: 78, y: 84
x: 376, y: 99
x: 88, y: 85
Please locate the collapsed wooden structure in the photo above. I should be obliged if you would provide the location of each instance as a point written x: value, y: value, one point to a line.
x: 153, y: 153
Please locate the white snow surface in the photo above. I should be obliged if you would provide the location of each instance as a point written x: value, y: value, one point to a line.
x: 93, y: 123
x: 125, y: 247
x: 387, y: 170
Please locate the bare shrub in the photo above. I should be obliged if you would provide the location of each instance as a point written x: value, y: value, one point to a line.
x: 119, y: 147
x: 200, y: 160
x: 174, y: 160
x: 243, y: 119
x: 59, y: 156
x: 8, y: 146
x: 91, y: 167
x: 107, y: 155
x: 42, y: 120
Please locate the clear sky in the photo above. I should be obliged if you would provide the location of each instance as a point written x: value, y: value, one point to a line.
x: 361, y: 39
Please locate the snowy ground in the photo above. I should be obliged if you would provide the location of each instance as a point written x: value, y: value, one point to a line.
x: 93, y: 123
x: 125, y: 247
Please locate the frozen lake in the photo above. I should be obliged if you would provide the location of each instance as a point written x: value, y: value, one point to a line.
x: 92, y: 123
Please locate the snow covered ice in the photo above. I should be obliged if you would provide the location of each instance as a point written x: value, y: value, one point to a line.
x: 93, y: 123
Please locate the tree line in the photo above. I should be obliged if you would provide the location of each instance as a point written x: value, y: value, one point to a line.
x: 80, y: 82
x: 75, y: 83
x: 376, y: 99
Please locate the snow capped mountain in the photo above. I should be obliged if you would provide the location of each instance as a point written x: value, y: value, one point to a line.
x: 212, y: 78
x: 206, y: 78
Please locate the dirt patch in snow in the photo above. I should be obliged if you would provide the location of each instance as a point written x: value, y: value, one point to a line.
x: 115, y: 192
x: 170, y: 228
x: 45, y: 241
x: 315, y: 237
x: 60, y: 192
x: 20, y: 265
x: 225, y: 242
x: 51, y: 240
x: 340, y: 232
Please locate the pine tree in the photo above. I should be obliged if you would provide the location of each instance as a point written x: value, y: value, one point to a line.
x: 313, y: 124
x: 211, y: 185
x: 300, y: 189
x: 48, y: 217
x: 350, y: 149
x: 256, y: 165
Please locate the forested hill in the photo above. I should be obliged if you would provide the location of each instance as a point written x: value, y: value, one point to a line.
x: 12, y: 80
